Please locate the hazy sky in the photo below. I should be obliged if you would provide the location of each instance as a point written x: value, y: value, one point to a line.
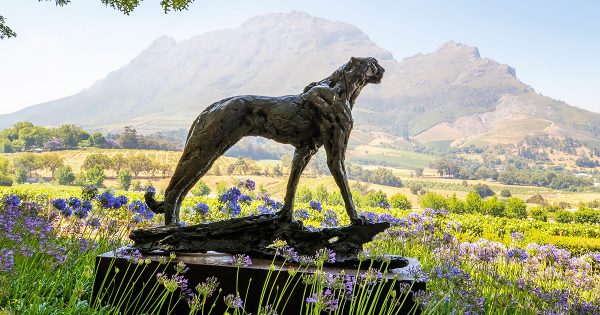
x: 554, y: 46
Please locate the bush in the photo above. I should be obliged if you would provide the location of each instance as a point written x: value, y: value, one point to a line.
x: 415, y: 189
x: 320, y: 194
x: 483, y: 190
x: 505, y: 193
x: 124, y: 179
x: 434, y: 201
x: 375, y: 198
x: 21, y: 175
x: 563, y: 216
x: 94, y: 176
x: 200, y: 189
x: 400, y: 201
x: 586, y: 216
x: 65, y: 175
x: 516, y: 208
x: 493, y: 206
x: 304, y: 195
x: 456, y: 205
x: 473, y: 203
x: 538, y: 213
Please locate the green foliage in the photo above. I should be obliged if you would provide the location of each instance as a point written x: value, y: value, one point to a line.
x: 124, y: 179
x: 516, y: 208
x: 538, y: 213
x: 493, y: 206
x: 94, y: 176
x: 505, y: 193
x: 586, y: 215
x: 415, y: 188
x: 563, y: 216
x: 65, y: 175
x: 97, y: 160
x: 400, y: 201
x: 221, y: 187
x: 434, y: 201
x: 320, y: 194
x: 381, y: 176
x: 200, y: 189
x: 21, y: 175
x: 473, y: 202
x: 304, y: 194
x: 456, y: 205
x: 375, y: 198
x: 483, y: 190
x: 5, y: 31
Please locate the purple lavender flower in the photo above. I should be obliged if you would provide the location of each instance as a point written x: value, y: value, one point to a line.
x: 330, y: 219
x: 247, y: 184
x: 517, y: 254
x: 232, y: 208
x: 201, y: 208
x: 107, y: 200
x: 315, y: 205
x: 74, y: 202
x: 59, y: 204
x: 94, y: 223
x: 233, y: 301
x: 12, y: 201
x: 301, y: 214
x: 245, y: 199
x: 240, y: 260
x: 7, y: 261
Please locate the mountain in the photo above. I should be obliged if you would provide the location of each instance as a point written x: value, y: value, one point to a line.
x: 451, y: 95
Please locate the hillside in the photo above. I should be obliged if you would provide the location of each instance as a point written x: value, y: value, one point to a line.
x: 451, y: 95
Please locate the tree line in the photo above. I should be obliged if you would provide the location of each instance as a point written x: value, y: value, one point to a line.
x: 25, y: 136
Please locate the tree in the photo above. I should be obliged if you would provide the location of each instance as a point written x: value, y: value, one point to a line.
x: 516, y: 208
x: 400, y: 201
x: 493, y: 206
x: 375, y: 198
x: 97, y: 160
x: 418, y: 171
x: 138, y: 164
x: 65, y: 175
x: 95, y: 176
x: 456, y: 205
x: 118, y: 162
x: 473, y: 202
x: 125, y: 6
x: 52, y: 162
x: 28, y: 162
x: 200, y: 189
x: 124, y: 179
x: 98, y: 140
x: 128, y: 139
x: 434, y: 201
x: 320, y: 194
x: 5, y: 179
x: 483, y: 190
x: 304, y: 194
x: 70, y: 135
x: 21, y: 175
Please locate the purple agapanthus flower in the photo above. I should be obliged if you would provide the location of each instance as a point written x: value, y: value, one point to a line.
x: 315, y: 205
x: 201, y: 208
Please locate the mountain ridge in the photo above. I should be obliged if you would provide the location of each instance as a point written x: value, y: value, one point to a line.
x: 452, y: 88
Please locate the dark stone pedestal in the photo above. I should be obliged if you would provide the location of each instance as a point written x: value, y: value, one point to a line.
x: 132, y: 284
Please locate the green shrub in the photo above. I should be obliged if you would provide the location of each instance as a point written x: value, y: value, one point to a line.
x: 586, y: 216
x: 456, y: 205
x: 400, y: 201
x: 375, y: 198
x: 434, y: 201
x: 304, y: 194
x: 493, y: 206
x: 200, y: 189
x: 563, y: 216
x: 516, y: 208
x: 473, y: 203
x: 124, y: 179
x: 538, y: 213
x: 505, y: 193
x: 483, y: 190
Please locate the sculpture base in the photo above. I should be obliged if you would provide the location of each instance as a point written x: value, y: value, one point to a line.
x: 131, y: 287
